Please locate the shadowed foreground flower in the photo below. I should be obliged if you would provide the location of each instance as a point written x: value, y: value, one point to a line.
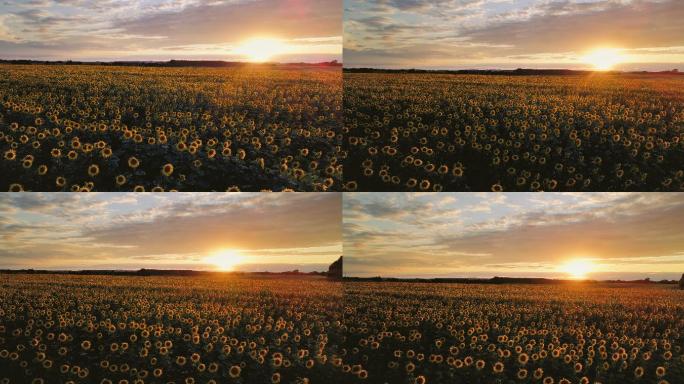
x: 234, y: 371
x: 16, y: 187
x: 93, y: 170
x: 167, y: 170
x: 133, y: 162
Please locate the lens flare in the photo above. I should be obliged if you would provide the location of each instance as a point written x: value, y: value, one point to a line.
x: 262, y: 49
x: 578, y: 269
x: 226, y: 259
x: 604, y: 59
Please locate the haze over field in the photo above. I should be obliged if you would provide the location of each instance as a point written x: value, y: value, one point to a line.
x: 159, y: 30
x: 200, y: 231
x: 507, y: 34
x: 557, y: 235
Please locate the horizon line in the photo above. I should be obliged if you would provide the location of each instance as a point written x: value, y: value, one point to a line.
x: 486, y: 69
x: 446, y: 279
x: 152, y: 270
x: 171, y: 60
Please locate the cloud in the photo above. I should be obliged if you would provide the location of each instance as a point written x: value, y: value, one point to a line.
x: 305, y: 222
x: 566, y: 26
x: 385, y: 234
x: 54, y: 230
x: 107, y: 30
x: 480, y: 33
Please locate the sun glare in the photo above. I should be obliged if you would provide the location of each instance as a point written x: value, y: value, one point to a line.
x: 226, y: 259
x: 604, y: 59
x: 262, y: 49
x: 578, y: 269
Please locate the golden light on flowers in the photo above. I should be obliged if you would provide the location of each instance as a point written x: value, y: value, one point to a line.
x: 578, y: 268
x: 177, y: 139
x: 134, y: 345
x: 512, y: 152
x: 262, y: 49
x: 226, y: 259
x: 604, y: 59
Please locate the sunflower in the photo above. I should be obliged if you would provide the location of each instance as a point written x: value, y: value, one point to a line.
x: 234, y: 371
x: 133, y: 162
x: 167, y: 169
x: 93, y: 170
x: 16, y: 187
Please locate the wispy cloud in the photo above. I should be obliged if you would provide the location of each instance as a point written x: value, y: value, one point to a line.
x: 149, y: 29
x: 453, y: 234
x: 501, y: 33
x: 55, y: 230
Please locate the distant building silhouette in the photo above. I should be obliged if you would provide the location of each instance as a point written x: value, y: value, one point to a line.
x: 681, y: 282
x: 335, y: 269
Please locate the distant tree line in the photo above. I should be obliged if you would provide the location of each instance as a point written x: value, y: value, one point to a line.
x: 507, y: 72
x: 152, y: 272
x: 509, y: 280
x: 174, y: 63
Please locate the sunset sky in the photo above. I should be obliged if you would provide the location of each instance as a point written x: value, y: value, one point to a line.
x: 560, y: 235
x: 201, y: 231
x: 453, y: 34
x: 291, y: 30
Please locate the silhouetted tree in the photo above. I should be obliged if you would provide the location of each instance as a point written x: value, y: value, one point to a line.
x: 681, y: 282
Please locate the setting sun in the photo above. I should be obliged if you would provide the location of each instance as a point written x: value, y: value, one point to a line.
x: 262, y: 49
x: 604, y: 59
x: 578, y: 269
x: 226, y: 259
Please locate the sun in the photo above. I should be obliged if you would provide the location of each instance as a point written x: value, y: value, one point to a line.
x: 226, y: 259
x: 578, y: 268
x: 604, y: 59
x: 262, y: 49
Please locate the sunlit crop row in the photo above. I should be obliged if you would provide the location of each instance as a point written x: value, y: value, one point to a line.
x: 96, y: 128
x: 453, y: 333
x: 71, y: 329
x: 433, y: 132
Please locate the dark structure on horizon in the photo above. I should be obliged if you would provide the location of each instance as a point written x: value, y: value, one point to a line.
x: 681, y: 282
x: 335, y: 269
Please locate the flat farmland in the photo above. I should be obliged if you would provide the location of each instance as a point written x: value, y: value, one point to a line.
x: 220, y: 329
x: 434, y: 132
x: 108, y: 128
x: 475, y: 333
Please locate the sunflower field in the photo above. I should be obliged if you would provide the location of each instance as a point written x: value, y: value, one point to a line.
x: 406, y: 333
x: 119, y: 330
x: 106, y: 128
x: 434, y: 132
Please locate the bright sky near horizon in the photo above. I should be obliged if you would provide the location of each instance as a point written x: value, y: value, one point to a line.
x: 202, y: 231
x: 242, y: 30
x: 558, y: 235
x: 505, y: 34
